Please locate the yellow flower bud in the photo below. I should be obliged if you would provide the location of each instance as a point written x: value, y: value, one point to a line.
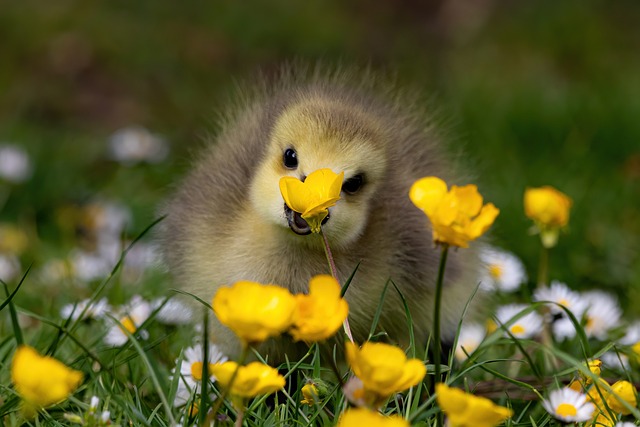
x: 384, y: 369
x: 41, y: 381
x: 466, y: 410
x: 254, y: 312
x: 310, y: 393
x: 623, y: 391
x: 320, y: 314
x: 457, y: 216
x: 251, y: 380
x: 311, y: 198
x: 359, y: 417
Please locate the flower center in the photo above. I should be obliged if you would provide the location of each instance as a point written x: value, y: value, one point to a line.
x: 563, y: 302
x: 566, y: 410
x: 196, y: 370
x: 127, y: 323
x: 517, y: 329
x: 495, y: 271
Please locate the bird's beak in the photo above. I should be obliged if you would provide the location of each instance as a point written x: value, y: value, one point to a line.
x: 296, y: 223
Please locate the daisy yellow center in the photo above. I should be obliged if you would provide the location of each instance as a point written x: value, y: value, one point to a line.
x: 196, y: 370
x: 358, y: 394
x: 563, y: 302
x: 495, y: 271
x: 517, y: 329
x: 566, y: 410
x: 127, y: 323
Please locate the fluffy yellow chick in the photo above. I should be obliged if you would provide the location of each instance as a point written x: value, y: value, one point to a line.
x: 227, y: 220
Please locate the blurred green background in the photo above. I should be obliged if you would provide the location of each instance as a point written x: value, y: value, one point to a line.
x: 533, y: 93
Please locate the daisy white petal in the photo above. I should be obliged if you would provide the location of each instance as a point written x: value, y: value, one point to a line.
x: 568, y: 405
x: 173, y: 312
x: 501, y: 270
x: 560, y: 294
x: 526, y: 326
x: 15, y: 164
x: 92, y: 310
x: 130, y: 317
x: 603, y: 314
x: 136, y: 144
x: 469, y: 339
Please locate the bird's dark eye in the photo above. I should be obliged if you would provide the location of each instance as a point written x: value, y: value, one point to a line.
x: 353, y: 184
x: 290, y: 158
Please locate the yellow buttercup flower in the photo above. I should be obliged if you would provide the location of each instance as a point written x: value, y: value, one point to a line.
x: 310, y: 393
x: 41, y: 381
x: 466, y: 410
x: 251, y: 380
x: 549, y: 209
x: 384, y: 369
x: 311, y: 198
x: 359, y: 417
x: 253, y: 311
x: 623, y: 391
x: 457, y: 215
x: 321, y: 313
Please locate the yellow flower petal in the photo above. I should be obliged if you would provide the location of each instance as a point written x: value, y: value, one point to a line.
x: 548, y: 207
x: 384, y: 369
x: 623, y: 391
x: 251, y: 380
x: 466, y: 410
x: 42, y: 381
x: 456, y: 216
x: 254, y: 312
x: 360, y: 417
x: 319, y: 314
x: 426, y: 193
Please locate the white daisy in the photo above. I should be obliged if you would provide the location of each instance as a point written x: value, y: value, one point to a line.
x: 502, y: 271
x: 625, y: 424
x: 563, y: 329
x: 95, y: 310
x: 130, y: 317
x: 136, y: 144
x: 632, y: 334
x: 470, y: 337
x: 603, y: 314
x: 9, y: 267
x: 88, y: 266
x: 526, y: 326
x: 560, y: 294
x: 173, y: 312
x: 15, y: 165
x: 191, y: 371
x: 568, y: 405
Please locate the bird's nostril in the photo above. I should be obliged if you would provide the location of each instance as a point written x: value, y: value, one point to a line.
x: 303, y: 178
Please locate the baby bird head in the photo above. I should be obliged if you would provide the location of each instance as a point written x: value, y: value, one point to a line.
x: 320, y: 134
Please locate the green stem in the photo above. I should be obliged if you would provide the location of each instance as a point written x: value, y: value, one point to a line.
x: 543, y: 268
x: 437, y: 344
x: 334, y: 273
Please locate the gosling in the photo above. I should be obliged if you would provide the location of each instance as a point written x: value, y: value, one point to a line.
x: 227, y: 220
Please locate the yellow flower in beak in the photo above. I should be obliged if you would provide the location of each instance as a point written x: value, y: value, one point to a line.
x: 457, y: 215
x: 41, y: 381
x: 253, y: 311
x: 311, y: 198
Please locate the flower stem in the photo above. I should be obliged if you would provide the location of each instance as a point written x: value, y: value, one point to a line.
x: 543, y: 268
x: 334, y: 273
x: 437, y: 344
